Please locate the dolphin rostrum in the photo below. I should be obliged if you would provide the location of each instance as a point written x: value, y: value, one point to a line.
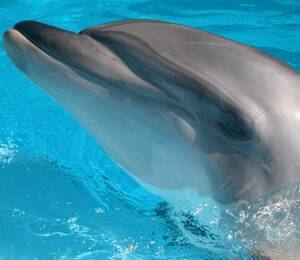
x: 174, y: 106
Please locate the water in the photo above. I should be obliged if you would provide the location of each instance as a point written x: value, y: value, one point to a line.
x: 61, y: 197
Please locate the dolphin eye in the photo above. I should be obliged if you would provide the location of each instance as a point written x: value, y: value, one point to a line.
x: 231, y: 128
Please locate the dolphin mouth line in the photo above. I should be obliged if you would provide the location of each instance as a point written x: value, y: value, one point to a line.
x: 44, y: 48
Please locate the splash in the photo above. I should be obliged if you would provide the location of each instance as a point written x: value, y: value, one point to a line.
x: 8, y: 151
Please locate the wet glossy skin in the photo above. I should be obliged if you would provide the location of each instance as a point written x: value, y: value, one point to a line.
x: 174, y: 106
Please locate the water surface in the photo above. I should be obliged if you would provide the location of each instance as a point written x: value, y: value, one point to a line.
x: 61, y: 197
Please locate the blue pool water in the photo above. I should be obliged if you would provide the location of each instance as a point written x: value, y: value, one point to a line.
x: 61, y: 197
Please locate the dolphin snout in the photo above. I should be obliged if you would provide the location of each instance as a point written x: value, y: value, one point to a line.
x: 58, y: 43
x: 37, y: 33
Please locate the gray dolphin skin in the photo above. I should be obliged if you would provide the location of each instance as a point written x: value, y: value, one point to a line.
x: 176, y: 107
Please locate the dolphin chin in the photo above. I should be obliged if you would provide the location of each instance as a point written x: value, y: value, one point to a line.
x: 176, y: 107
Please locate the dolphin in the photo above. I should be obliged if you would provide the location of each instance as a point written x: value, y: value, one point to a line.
x: 176, y: 107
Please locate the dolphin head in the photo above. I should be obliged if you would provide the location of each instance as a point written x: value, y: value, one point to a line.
x: 174, y: 106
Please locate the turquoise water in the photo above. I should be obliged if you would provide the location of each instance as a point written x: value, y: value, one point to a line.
x: 61, y: 197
